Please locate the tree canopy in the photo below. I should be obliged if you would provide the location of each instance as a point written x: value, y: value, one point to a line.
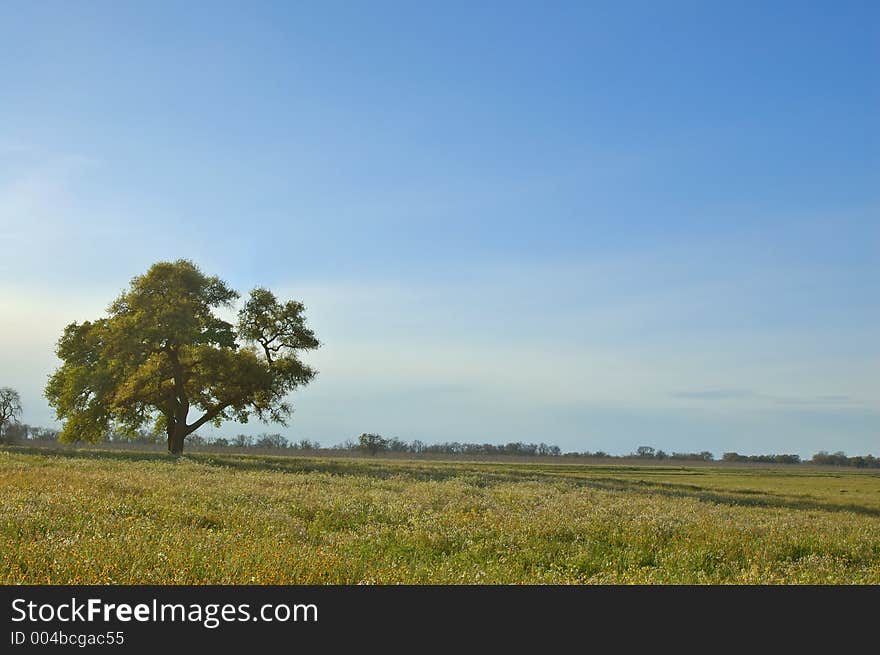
x: 372, y: 443
x: 163, y: 355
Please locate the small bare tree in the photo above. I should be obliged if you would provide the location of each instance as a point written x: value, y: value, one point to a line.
x: 10, y: 409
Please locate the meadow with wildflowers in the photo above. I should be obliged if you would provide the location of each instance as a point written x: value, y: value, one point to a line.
x: 101, y: 517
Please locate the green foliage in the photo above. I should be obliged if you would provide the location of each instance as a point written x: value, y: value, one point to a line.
x: 279, y: 328
x: 840, y: 459
x: 761, y: 459
x: 163, y: 352
x: 271, y: 441
x: 372, y: 443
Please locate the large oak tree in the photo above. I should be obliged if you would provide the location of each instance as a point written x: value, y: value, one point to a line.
x: 163, y: 357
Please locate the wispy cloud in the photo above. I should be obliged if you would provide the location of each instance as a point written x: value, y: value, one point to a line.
x: 740, y: 394
x: 837, y: 399
x: 715, y: 394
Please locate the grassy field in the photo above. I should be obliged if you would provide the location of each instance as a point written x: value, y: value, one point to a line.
x: 123, y: 517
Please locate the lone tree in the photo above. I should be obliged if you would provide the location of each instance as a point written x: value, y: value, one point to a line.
x: 162, y: 354
x: 372, y: 443
x: 10, y: 408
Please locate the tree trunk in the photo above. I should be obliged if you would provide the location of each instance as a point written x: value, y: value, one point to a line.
x: 175, y: 439
x: 177, y: 428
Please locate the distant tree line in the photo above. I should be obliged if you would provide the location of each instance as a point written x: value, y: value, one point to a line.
x: 840, y: 459
x: 274, y: 441
x: 17, y: 432
x: 265, y: 440
x: 374, y: 444
x: 647, y: 452
x: 762, y: 459
x: 822, y: 458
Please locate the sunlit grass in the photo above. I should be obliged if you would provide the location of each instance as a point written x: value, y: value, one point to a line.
x: 87, y: 517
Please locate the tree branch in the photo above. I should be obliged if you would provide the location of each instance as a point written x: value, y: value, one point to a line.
x: 208, y: 416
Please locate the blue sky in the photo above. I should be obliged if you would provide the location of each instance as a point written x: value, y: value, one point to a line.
x: 600, y: 225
